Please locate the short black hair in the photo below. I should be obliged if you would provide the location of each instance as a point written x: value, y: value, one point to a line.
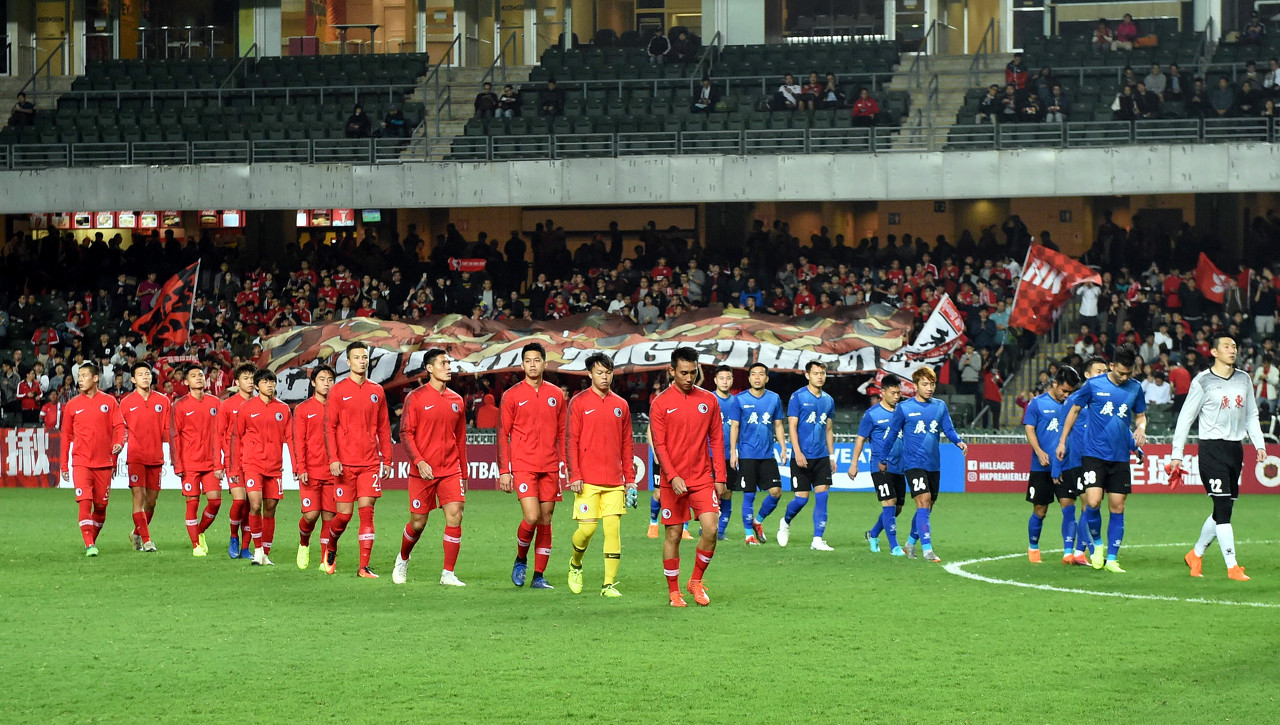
x: 600, y: 359
x: 1096, y: 359
x: 322, y: 368
x: 1068, y: 375
x: 533, y: 347
x: 683, y: 354
x: 814, y: 364
x: 723, y: 369
x: 757, y: 364
x: 263, y: 374
x: 245, y: 369
x: 1217, y: 337
x: 1126, y: 355
x: 186, y: 369
x: 430, y: 358
x: 357, y: 345
x: 140, y: 364
x: 92, y: 368
x: 890, y: 381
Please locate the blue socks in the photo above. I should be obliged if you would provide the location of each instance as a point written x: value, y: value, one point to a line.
x: 1068, y: 528
x: 1034, y: 526
x: 820, y: 514
x: 922, y: 526
x: 1086, y: 539
x: 748, y: 506
x: 654, y: 508
x: 726, y: 512
x: 878, y: 527
x: 1115, y: 535
x: 889, y: 522
x: 770, y: 503
x: 1095, y: 524
x: 914, y: 536
x: 794, y: 507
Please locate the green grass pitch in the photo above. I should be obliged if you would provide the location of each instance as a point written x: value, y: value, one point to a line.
x: 791, y: 636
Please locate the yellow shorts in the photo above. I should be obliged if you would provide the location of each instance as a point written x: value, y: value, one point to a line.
x: 597, y: 501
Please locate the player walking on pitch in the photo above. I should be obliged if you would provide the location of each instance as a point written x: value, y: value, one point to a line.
x: 531, y: 426
x: 92, y: 422
x: 238, y: 546
x: 723, y: 381
x: 193, y: 446
x: 810, y: 423
x: 600, y: 468
x: 1221, y: 400
x: 434, y: 431
x: 886, y: 478
x: 311, y: 466
x: 146, y: 417
x: 752, y: 466
x: 262, y: 430
x: 358, y: 438
x: 689, y: 445
x: 1043, y: 425
x: 1071, y: 469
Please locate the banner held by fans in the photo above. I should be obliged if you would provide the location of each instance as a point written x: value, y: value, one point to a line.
x: 1211, y: 281
x: 1048, y: 277
x: 168, y: 322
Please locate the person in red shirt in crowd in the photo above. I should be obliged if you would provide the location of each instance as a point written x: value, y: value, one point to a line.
x: 805, y: 270
x: 556, y: 307
x: 1015, y: 73
x: 1172, y: 282
x: 311, y: 465
x: 200, y: 340
x: 30, y: 392
x: 51, y: 413
x: 306, y: 274
x: 688, y: 444
x: 262, y: 431
x: 196, y: 455
x: 92, y: 422
x: 865, y: 109
x: 328, y: 292
x: 239, y: 545
x: 358, y: 438
x: 895, y: 273
x: 147, y: 420
x: 44, y: 339
x: 531, y: 428
x: 434, y: 432
x: 660, y: 270
x: 601, y: 470
x: 804, y: 299
x: 487, y: 413
x: 991, y: 395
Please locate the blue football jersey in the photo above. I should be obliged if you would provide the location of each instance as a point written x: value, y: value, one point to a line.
x: 728, y: 412
x: 1046, y: 415
x: 921, y: 426
x: 874, y: 427
x: 755, y: 418
x: 1109, y: 409
x: 812, y: 412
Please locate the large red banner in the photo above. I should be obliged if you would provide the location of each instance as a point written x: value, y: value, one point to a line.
x: 1047, y: 280
x: 27, y: 458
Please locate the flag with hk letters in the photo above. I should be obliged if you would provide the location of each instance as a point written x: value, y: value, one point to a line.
x: 1048, y: 277
x: 1210, y: 280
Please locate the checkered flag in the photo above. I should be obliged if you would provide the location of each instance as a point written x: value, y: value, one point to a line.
x: 1047, y: 280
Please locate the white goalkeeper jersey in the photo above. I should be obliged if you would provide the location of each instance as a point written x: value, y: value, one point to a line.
x: 1225, y: 407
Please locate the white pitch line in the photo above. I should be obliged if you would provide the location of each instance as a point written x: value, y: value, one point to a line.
x: 957, y: 568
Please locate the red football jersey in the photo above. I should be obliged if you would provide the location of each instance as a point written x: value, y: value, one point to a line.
x: 531, y: 426
x: 434, y: 429
x: 94, y: 425
x: 193, y: 444
x: 147, y: 422
x: 598, y: 443
x: 227, y: 428
x: 683, y: 426
x: 357, y: 428
x: 262, y: 429
x: 306, y: 447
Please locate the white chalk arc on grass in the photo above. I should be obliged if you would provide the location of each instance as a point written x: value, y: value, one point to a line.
x: 958, y: 568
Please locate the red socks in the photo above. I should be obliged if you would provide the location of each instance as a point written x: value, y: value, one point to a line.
x: 524, y: 537
x: 99, y: 517
x: 452, y: 543
x: 366, y: 535
x: 671, y: 567
x: 255, y: 530
x: 700, y: 562
x: 336, y: 527
x: 304, y: 531
x: 324, y: 535
x: 407, y: 541
x: 236, y: 516
x: 193, y: 523
x: 211, y: 507
x: 542, y: 552
x: 87, y: 529
x: 268, y: 533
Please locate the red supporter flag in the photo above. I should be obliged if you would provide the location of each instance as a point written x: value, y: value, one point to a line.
x: 1210, y: 280
x: 169, y: 320
x: 1047, y: 280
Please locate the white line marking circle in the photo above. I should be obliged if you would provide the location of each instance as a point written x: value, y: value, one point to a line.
x: 957, y: 568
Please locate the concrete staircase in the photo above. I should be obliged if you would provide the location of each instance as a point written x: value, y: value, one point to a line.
x: 459, y: 86
x: 45, y: 92
x: 953, y: 80
x: 1026, y: 377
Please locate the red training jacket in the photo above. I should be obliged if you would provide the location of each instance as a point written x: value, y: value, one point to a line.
x: 357, y: 428
x: 147, y: 420
x: 306, y: 447
x: 434, y: 429
x: 227, y: 428
x: 598, y: 442
x: 683, y: 426
x: 262, y: 429
x: 531, y: 428
x: 193, y: 442
x: 95, y: 426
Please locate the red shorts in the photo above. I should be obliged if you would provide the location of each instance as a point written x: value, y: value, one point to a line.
x: 358, y: 482
x: 675, y: 509
x: 92, y: 484
x: 317, y: 495
x: 239, y: 482
x: 545, y: 486
x: 425, y: 495
x: 194, y: 484
x: 268, y: 486
x: 144, y: 476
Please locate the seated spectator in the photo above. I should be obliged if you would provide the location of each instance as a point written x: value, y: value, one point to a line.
x: 1253, y: 30
x: 1029, y: 110
x: 1102, y: 37
x: 1251, y: 73
x: 1045, y: 82
x: 395, y: 125
x: 551, y: 100
x: 486, y: 103
x: 865, y: 109
x: 1157, y: 390
x: 358, y: 125
x: 1129, y: 78
x: 1147, y: 104
x: 809, y: 93
x: 1268, y: 108
x: 787, y: 97
x: 508, y: 103
x: 1009, y: 104
x: 1198, y: 105
x: 989, y: 107
x: 1248, y: 100
x: 1058, y: 107
x: 1015, y: 73
x: 706, y: 98
x: 1221, y: 100
x: 684, y: 49
x: 1173, y: 83
x: 1156, y: 81
x: 1271, y: 81
x: 1126, y: 33
x: 23, y: 113
x: 831, y: 97
x: 658, y: 48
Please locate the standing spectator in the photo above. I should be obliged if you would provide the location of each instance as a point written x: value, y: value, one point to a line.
x: 1015, y: 73
x: 10, y: 405
x: 23, y: 112
x: 658, y: 48
x: 1089, y: 294
x: 865, y: 109
x: 1126, y: 33
x: 551, y: 100
x: 358, y: 125
x: 1157, y: 390
x: 970, y: 375
x: 508, y: 103
x: 51, y: 412
x: 991, y: 394
x: 1253, y: 30
x: 29, y: 392
x: 1180, y: 379
x: 1266, y: 381
x: 486, y: 103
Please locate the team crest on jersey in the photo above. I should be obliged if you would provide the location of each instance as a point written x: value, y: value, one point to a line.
x: 702, y: 407
x: 617, y: 412
x: 666, y: 513
x: 213, y: 411
x: 306, y: 502
x: 455, y: 407
x: 279, y: 416
x: 373, y: 397
x: 583, y: 507
x: 524, y: 488
x: 249, y: 483
x: 79, y: 491
x: 159, y: 408
x: 186, y: 486
x: 551, y: 402
x: 103, y: 408
x: 339, y: 492
x: 134, y: 478
x: 417, y: 503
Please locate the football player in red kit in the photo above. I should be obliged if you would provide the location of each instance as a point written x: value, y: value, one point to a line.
x: 146, y: 421
x: 434, y: 431
x: 92, y: 422
x: 193, y: 446
x: 311, y: 465
x: 531, y: 423
x: 262, y: 430
x: 358, y: 439
x: 688, y: 442
x: 238, y: 547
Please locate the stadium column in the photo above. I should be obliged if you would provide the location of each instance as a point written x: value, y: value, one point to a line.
x: 261, y: 23
x: 740, y: 22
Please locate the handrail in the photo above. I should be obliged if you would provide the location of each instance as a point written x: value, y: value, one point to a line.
x: 913, y: 72
x: 1207, y: 47
x: 491, y: 74
x: 152, y: 94
x: 252, y: 49
x: 434, y: 76
x: 31, y: 82
x: 710, y: 54
x: 982, y: 55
